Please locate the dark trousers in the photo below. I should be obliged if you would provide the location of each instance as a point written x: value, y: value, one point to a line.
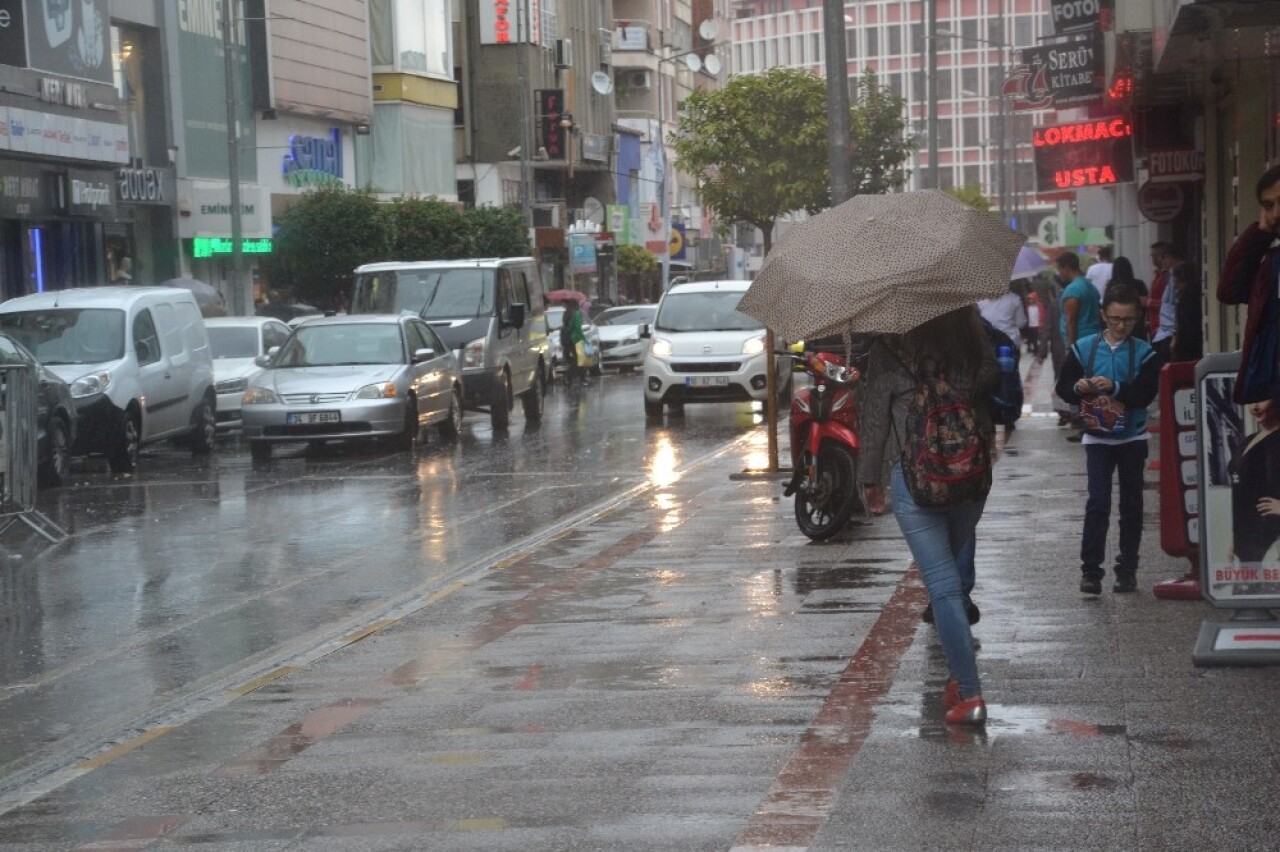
x: 1101, y: 461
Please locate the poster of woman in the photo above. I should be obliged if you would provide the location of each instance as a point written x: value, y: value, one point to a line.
x: 1241, y: 470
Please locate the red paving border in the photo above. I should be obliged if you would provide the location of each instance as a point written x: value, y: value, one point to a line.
x: 798, y: 803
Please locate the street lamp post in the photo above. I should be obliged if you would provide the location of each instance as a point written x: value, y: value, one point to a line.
x: 240, y: 304
x: 664, y: 205
x: 1002, y: 115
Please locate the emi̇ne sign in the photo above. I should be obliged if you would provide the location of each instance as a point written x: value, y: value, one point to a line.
x: 1088, y: 153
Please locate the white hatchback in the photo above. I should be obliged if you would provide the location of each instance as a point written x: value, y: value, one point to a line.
x: 703, y: 349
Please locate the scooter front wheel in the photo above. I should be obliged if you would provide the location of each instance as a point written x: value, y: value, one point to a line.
x: 825, y: 501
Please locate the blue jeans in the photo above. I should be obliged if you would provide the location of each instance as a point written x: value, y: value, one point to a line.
x: 1101, y: 461
x: 942, y: 543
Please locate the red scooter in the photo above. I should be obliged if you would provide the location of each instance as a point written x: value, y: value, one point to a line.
x: 824, y: 446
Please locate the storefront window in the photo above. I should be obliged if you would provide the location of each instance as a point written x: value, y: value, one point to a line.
x: 127, y: 63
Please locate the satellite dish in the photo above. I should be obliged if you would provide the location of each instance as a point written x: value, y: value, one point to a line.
x: 707, y: 29
x: 593, y: 210
x: 712, y: 65
x: 693, y: 62
x: 602, y: 83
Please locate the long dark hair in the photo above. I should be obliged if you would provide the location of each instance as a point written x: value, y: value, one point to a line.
x: 955, y: 341
x: 1122, y: 272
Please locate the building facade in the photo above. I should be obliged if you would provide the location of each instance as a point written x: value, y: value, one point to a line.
x: 81, y: 164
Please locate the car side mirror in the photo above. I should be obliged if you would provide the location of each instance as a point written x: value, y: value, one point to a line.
x: 424, y: 354
x: 143, y: 350
x: 645, y: 331
x: 262, y: 360
x: 515, y: 314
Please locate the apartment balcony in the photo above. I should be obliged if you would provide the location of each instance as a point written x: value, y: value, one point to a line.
x: 630, y: 37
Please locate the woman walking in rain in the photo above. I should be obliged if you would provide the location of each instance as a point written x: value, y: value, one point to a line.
x: 942, y: 539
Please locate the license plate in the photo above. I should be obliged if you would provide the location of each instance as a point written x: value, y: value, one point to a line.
x: 307, y: 417
x: 707, y: 382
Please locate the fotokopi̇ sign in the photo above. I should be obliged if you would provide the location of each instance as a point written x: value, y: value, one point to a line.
x: 1097, y: 152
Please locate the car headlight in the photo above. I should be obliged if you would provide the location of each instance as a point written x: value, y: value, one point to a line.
x: 90, y: 385
x: 378, y: 390
x: 231, y: 386
x: 259, y: 396
x: 661, y: 348
x: 753, y: 346
x: 473, y: 353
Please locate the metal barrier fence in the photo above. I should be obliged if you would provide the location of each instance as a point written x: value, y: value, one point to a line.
x: 18, y: 443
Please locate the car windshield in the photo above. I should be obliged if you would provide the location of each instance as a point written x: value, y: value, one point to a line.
x: 429, y: 293
x: 233, y: 342
x: 713, y: 310
x: 69, y: 335
x: 627, y: 316
x: 315, y: 345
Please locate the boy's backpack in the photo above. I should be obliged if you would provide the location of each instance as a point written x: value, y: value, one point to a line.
x: 1007, y: 398
x: 945, y: 460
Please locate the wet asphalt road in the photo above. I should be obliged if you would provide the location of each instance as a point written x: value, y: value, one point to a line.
x: 196, y: 573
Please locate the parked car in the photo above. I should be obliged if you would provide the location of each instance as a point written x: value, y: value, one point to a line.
x: 703, y: 349
x: 621, y: 345
x: 353, y: 378
x: 55, y: 415
x: 236, y: 342
x: 489, y: 311
x: 137, y: 359
x: 555, y: 319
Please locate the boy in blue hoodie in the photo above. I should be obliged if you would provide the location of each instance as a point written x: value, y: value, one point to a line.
x: 1117, y: 364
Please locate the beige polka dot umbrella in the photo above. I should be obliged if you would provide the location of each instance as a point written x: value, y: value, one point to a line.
x: 882, y: 263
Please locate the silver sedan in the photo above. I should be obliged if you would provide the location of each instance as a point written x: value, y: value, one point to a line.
x: 354, y: 377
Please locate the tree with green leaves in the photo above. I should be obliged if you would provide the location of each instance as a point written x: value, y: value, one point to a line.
x: 971, y: 195
x: 758, y: 146
x: 426, y: 229
x: 498, y: 232
x: 321, y: 238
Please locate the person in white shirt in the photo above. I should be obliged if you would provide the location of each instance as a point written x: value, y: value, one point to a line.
x: 1099, y: 272
x: 1006, y: 313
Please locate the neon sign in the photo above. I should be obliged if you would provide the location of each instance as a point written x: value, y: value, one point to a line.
x: 1085, y: 153
x: 209, y: 246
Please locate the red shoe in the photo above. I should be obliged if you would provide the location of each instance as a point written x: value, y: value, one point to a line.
x: 972, y: 711
x: 951, y: 694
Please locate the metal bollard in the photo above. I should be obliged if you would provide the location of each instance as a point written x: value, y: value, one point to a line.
x: 18, y: 460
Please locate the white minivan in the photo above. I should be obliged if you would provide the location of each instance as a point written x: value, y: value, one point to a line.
x: 703, y: 349
x: 137, y: 359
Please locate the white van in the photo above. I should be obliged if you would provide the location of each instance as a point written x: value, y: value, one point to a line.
x: 137, y: 359
x: 703, y: 349
x: 489, y: 311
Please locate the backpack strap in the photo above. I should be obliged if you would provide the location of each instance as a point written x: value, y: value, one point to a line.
x: 1093, y: 353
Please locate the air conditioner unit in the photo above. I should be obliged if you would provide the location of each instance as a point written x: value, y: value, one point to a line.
x: 547, y: 216
x: 564, y: 53
x: 606, y: 53
x: 638, y: 79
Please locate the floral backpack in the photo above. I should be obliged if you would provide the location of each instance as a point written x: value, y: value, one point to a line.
x: 945, y: 460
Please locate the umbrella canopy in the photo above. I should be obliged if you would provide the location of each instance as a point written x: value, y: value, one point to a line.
x: 565, y: 295
x: 882, y: 263
x: 1029, y: 262
x: 202, y: 291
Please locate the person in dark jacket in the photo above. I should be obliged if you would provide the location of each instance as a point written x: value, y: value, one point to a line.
x: 1250, y: 277
x: 1116, y: 364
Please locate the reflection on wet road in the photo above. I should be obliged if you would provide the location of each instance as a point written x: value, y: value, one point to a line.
x: 189, y: 572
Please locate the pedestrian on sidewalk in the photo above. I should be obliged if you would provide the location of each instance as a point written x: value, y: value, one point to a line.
x: 942, y: 540
x: 1125, y: 368
x: 1251, y: 276
x: 1079, y: 307
x: 1100, y: 271
x: 1035, y: 326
